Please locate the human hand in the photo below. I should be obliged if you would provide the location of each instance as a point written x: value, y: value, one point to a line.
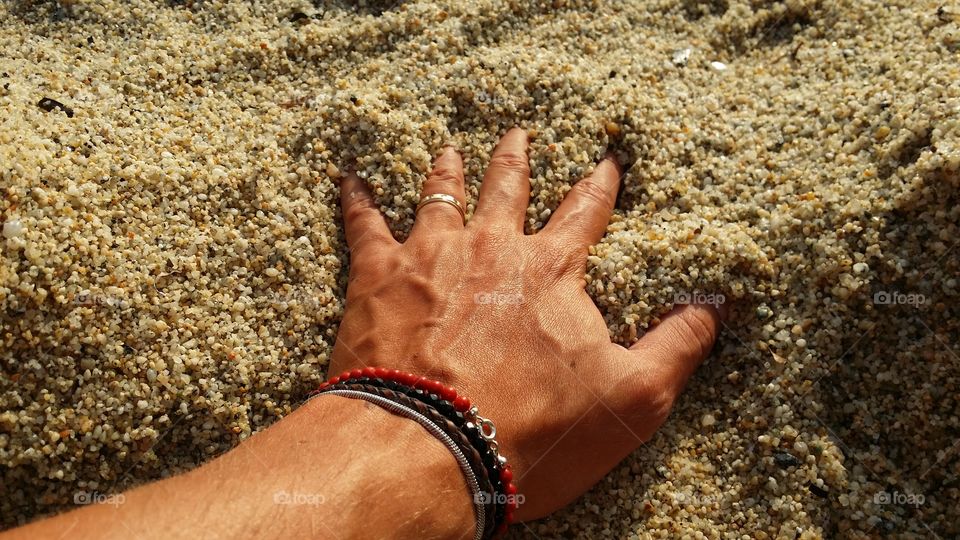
x: 504, y: 317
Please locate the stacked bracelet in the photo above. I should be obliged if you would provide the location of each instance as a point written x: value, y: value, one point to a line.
x: 484, y: 505
x: 451, y: 418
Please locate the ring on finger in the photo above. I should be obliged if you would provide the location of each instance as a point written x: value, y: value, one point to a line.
x: 444, y: 198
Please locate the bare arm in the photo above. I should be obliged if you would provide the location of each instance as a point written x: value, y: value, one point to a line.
x: 501, y: 315
x: 335, y: 468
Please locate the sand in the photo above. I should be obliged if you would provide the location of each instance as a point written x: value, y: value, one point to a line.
x: 172, y: 265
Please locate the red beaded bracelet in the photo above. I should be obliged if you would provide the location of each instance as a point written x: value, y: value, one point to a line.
x: 449, y: 393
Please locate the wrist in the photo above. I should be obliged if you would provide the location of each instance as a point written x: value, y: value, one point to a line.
x: 385, y: 475
x: 451, y: 418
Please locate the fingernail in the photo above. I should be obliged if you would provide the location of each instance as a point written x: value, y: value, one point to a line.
x: 612, y: 158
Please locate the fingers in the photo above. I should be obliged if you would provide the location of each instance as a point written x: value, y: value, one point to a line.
x: 585, y: 211
x: 363, y: 223
x: 505, y: 192
x: 672, y: 351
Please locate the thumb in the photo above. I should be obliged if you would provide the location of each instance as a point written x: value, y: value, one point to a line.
x: 674, y: 349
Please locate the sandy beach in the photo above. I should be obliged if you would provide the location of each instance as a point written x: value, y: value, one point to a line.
x: 172, y: 266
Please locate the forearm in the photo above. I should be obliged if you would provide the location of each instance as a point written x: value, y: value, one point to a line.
x: 335, y: 468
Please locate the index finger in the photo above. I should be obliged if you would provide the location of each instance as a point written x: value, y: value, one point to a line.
x: 584, y: 214
x: 362, y: 220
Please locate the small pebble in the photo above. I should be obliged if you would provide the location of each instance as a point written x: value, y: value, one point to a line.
x: 13, y: 229
x: 681, y: 56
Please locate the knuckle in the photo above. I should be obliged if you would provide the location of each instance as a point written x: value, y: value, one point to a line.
x: 486, y: 241
x: 647, y: 399
x: 444, y: 177
x: 592, y: 193
x: 513, y: 161
x: 359, y: 207
x: 696, y: 327
x: 660, y: 403
x: 502, y: 194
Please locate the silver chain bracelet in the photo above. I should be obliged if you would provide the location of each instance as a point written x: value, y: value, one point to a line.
x: 434, y: 430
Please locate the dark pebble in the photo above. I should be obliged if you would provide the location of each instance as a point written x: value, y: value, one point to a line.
x: 49, y: 105
x: 785, y: 459
x: 819, y: 491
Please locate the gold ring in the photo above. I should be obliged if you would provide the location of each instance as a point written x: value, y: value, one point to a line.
x: 444, y: 198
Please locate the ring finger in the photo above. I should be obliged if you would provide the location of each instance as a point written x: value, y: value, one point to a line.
x: 446, y: 178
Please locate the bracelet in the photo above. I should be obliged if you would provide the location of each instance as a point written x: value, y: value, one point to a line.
x: 471, y: 454
x: 453, y: 420
x: 434, y: 430
x: 463, y: 414
x: 444, y: 410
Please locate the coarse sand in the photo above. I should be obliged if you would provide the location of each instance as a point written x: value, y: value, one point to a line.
x: 172, y: 264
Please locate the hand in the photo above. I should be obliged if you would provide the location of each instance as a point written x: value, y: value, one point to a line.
x: 504, y: 318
